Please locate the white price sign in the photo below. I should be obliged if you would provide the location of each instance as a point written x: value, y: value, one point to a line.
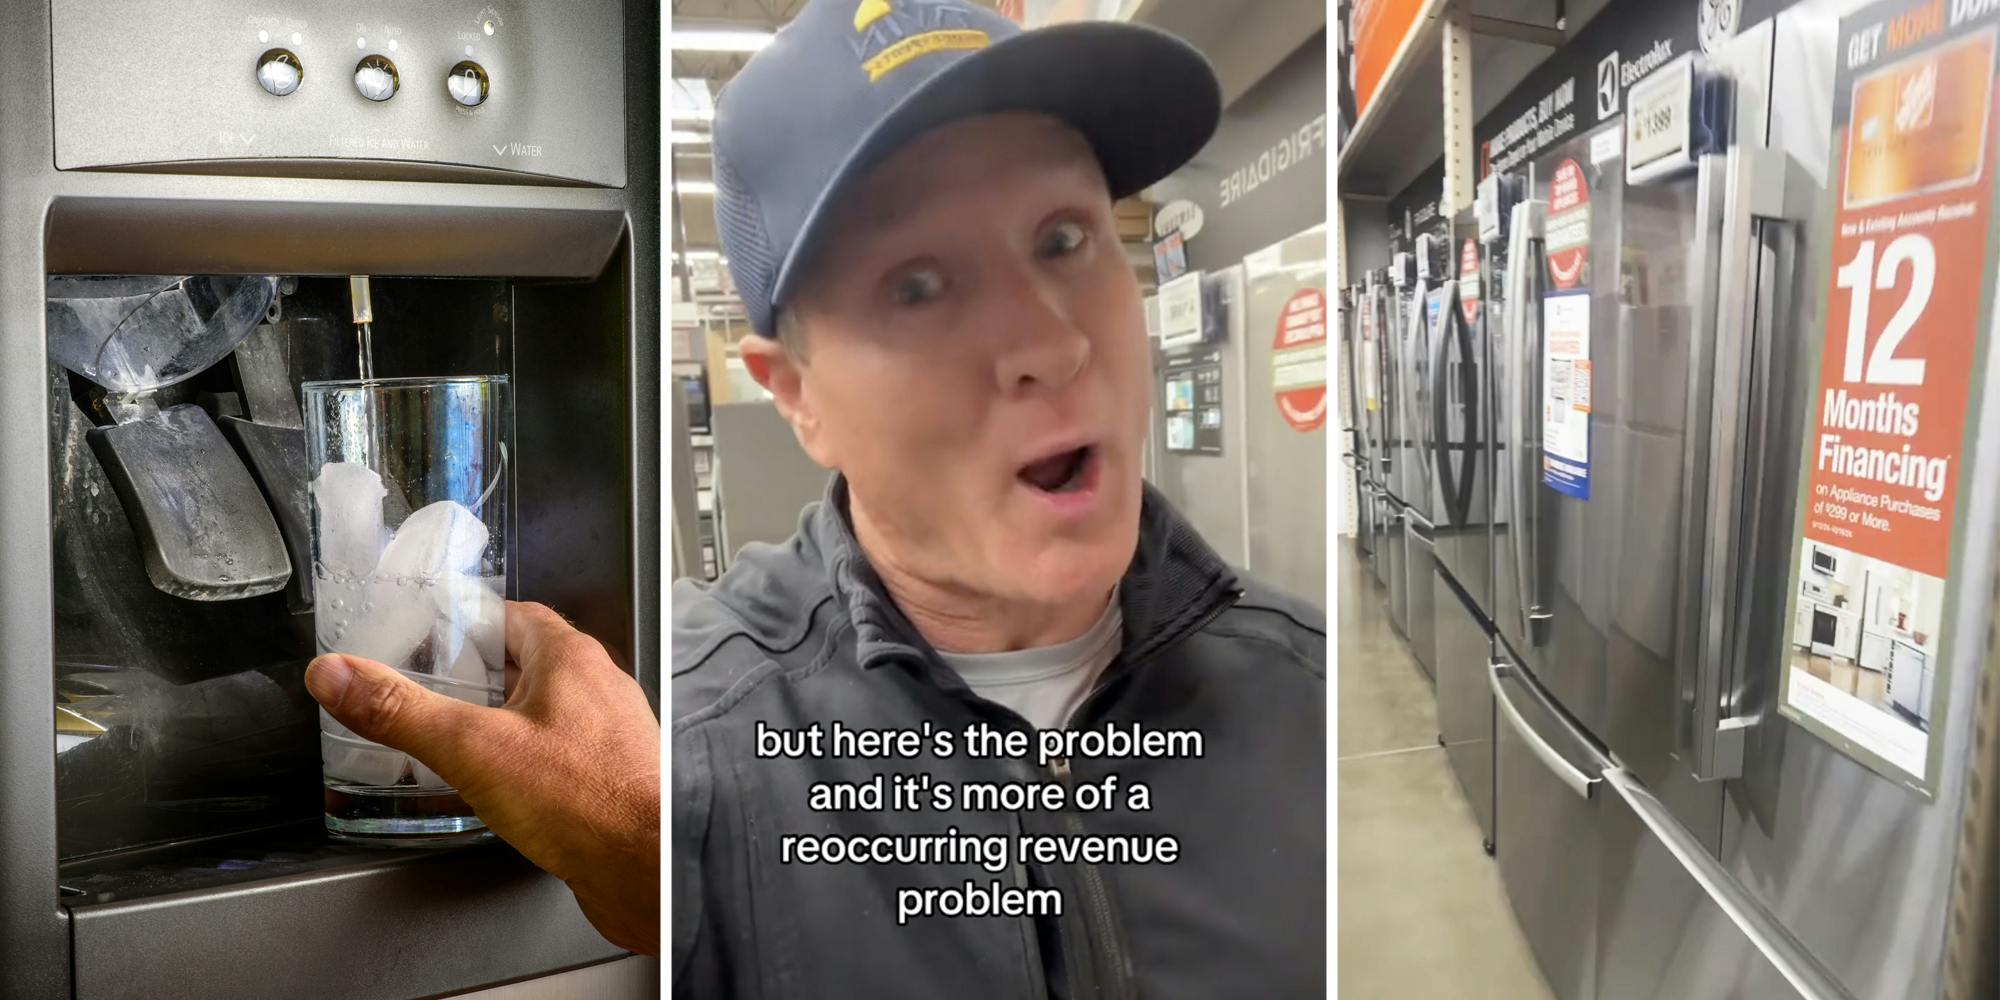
x: 1180, y: 311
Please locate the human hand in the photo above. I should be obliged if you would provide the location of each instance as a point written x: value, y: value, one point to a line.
x: 568, y: 772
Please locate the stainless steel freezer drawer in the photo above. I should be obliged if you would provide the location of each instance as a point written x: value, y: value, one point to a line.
x: 1420, y: 610
x: 1380, y: 525
x: 1675, y: 924
x: 1547, y: 786
x: 1465, y: 698
x: 1398, y: 564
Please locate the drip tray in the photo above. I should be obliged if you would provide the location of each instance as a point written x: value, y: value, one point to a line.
x: 285, y: 852
x: 288, y: 912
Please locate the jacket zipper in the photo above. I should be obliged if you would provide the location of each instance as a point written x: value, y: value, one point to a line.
x: 1037, y: 963
x: 1111, y: 961
x: 1090, y: 700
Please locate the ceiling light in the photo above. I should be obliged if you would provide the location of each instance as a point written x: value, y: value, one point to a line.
x: 718, y: 41
x: 680, y: 138
x: 695, y: 187
x: 693, y: 114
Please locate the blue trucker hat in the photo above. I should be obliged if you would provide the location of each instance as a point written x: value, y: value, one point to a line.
x: 847, y: 82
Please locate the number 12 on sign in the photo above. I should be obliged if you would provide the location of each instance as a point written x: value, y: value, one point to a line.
x: 1864, y: 275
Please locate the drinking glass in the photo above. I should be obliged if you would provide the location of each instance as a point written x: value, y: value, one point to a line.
x: 409, y: 500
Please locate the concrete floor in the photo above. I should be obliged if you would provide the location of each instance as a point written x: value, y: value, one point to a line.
x: 1422, y: 911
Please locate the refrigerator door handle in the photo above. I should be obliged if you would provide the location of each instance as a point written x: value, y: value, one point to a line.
x: 1753, y: 192
x: 1416, y: 420
x: 1524, y: 256
x: 1441, y: 449
x: 1468, y: 394
x: 1766, y: 932
x: 1572, y: 777
x: 1392, y: 397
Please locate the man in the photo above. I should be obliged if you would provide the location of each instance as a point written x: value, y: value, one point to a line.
x: 916, y: 202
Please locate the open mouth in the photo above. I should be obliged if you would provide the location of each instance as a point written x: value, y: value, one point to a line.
x: 1064, y: 472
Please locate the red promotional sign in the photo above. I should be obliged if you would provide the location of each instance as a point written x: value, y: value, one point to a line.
x: 1468, y: 281
x: 1298, y: 361
x: 1568, y: 229
x: 1902, y: 323
x: 1892, y: 409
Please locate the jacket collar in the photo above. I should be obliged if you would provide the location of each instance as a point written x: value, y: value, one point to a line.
x: 1175, y: 583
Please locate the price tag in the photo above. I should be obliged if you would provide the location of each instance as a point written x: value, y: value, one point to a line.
x: 1566, y: 393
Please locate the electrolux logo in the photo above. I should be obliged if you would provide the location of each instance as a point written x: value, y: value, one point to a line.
x: 1607, y: 86
x: 1613, y: 77
x: 1656, y: 56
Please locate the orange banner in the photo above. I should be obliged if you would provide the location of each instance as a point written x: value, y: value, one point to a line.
x: 1379, y: 29
x: 1903, y: 307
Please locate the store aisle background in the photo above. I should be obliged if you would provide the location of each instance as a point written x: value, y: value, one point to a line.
x: 1422, y: 911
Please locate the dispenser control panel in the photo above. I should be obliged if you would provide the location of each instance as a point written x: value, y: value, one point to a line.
x: 517, y: 90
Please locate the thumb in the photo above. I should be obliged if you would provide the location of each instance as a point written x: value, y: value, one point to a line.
x: 379, y: 704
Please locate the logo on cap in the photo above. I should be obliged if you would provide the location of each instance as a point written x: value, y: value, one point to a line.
x: 889, y: 34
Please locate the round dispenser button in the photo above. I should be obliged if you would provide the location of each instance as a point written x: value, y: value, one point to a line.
x: 467, y: 84
x: 375, y: 78
x: 279, y: 72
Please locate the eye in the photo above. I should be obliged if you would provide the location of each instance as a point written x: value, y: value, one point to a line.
x: 917, y: 287
x: 1062, y: 240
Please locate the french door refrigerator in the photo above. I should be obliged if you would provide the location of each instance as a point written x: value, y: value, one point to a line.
x: 1675, y: 818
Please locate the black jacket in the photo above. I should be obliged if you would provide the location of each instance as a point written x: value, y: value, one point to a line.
x: 803, y: 633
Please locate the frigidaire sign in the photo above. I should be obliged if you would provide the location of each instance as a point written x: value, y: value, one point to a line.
x: 1292, y: 149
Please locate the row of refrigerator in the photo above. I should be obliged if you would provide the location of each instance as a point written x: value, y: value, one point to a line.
x: 1582, y: 420
x: 1238, y: 437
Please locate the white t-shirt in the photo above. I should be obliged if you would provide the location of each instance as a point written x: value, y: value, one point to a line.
x: 1044, y: 685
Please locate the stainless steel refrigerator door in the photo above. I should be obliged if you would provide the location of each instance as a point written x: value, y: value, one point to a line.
x: 1859, y: 869
x: 1514, y: 392
x: 1388, y: 416
x: 1577, y: 541
x: 1374, y: 389
x: 1547, y: 788
x: 1692, y: 247
x: 1414, y: 480
x: 1657, y: 422
x: 1660, y: 423
x: 1209, y: 489
x: 1360, y: 461
x: 1285, y: 504
x: 1388, y: 545
x: 1460, y: 461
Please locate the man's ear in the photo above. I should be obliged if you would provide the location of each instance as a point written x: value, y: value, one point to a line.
x: 783, y: 376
